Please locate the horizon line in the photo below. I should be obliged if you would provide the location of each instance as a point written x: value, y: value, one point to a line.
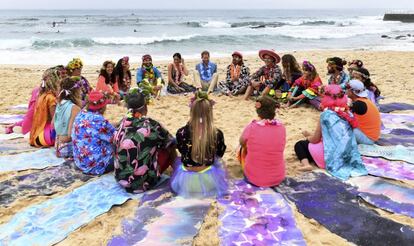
x: 303, y: 8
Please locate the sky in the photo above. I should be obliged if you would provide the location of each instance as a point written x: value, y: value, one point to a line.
x: 206, y: 4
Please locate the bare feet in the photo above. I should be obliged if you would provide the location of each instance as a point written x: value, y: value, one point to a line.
x: 305, y: 168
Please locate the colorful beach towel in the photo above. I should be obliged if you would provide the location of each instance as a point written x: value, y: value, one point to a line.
x: 389, y: 107
x: 334, y: 204
x: 40, y: 183
x: 11, y: 136
x: 394, y: 153
x: 10, y: 118
x: 397, y: 170
x: 257, y: 216
x: 15, y: 146
x: 31, y: 160
x: 397, y: 121
x: 391, y: 139
x: 20, y: 107
x: 53, y: 220
x: 385, y: 195
x: 165, y: 220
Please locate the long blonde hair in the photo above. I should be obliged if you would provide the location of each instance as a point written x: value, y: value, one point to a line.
x: 204, y: 134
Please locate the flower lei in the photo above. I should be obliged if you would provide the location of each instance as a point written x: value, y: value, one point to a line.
x: 235, y: 72
x: 178, y: 72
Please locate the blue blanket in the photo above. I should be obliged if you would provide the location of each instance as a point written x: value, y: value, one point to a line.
x: 53, y: 220
x: 32, y: 160
x: 340, y: 147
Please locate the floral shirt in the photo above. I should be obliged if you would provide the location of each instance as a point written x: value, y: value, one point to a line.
x: 184, y: 145
x: 137, y: 141
x: 85, y: 88
x: 341, y: 79
x: 271, y: 75
x: 206, y: 72
x: 92, y: 142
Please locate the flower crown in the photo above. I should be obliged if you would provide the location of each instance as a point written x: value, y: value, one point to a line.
x: 105, y: 97
x: 309, y: 66
x: 75, y: 86
x: 200, y: 96
x: 339, y: 95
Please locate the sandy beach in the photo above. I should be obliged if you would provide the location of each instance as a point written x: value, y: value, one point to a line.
x: 391, y: 71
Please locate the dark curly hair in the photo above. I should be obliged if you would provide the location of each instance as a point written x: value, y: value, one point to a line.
x: 119, y: 71
x: 108, y: 79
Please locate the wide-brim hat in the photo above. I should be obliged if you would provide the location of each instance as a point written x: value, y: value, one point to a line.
x: 97, y: 100
x: 270, y: 53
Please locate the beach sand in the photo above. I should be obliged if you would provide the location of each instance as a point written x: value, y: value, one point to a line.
x: 393, y: 72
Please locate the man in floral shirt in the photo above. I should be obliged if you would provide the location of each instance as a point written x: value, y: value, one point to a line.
x: 144, y: 149
x: 92, y: 136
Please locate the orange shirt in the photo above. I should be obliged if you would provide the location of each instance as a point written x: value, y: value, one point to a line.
x: 370, y: 122
x: 102, y: 86
x: 41, y: 116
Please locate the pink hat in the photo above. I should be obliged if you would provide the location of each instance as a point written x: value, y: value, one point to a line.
x: 271, y: 53
x: 236, y: 53
x: 96, y: 100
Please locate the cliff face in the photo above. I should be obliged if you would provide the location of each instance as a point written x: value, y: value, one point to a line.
x: 399, y: 17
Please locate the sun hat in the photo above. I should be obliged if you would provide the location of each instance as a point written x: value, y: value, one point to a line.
x: 271, y: 53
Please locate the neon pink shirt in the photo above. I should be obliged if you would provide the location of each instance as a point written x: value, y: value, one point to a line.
x: 265, y: 141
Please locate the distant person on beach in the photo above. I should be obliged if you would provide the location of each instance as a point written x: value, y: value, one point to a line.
x: 306, y: 88
x: 200, y: 171
x: 263, y: 143
x: 74, y: 68
x: 366, y: 113
x: 332, y: 146
x: 68, y: 106
x: 237, y: 78
x: 363, y: 75
x: 144, y: 148
x: 149, y: 78
x: 176, y: 72
x: 92, y: 137
x: 123, y: 76
x: 354, y: 64
x: 26, y: 123
x: 336, y: 72
x: 42, y: 133
x: 107, y: 82
x: 205, y: 76
x: 267, y: 77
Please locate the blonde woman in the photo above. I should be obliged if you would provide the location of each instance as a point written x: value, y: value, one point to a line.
x: 199, y: 172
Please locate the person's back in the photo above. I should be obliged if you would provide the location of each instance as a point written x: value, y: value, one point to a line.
x: 265, y: 141
x: 369, y: 119
x: 144, y: 149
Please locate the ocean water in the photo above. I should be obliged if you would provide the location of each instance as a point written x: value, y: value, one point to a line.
x: 28, y: 37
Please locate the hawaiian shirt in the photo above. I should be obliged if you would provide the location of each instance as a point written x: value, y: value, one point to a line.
x: 341, y: 79
x: 206, y: 72
x: 137, y: 141
x: 85, y: 87
x: 271, y: 75
x: 92, y: 138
